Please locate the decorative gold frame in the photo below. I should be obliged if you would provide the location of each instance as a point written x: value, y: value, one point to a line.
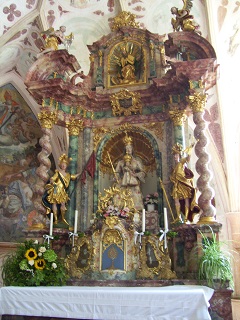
x: 72, y: 258
x: 126, y: 103
x: 113, y: 236
x: 162, y: 268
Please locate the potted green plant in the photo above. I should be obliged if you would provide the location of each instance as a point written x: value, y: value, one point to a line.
x: 214, y: 265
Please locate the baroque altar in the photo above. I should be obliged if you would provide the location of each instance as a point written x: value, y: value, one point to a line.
x: 132, y: 107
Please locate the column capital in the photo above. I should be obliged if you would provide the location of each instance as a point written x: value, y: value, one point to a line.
x: 197, y: 101
x: 75, y: 126
x: 178, y: 117
x: 48, y: 118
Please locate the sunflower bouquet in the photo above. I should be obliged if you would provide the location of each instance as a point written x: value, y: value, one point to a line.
x: 33, y: 264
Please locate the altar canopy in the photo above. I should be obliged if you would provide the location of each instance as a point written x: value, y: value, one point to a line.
x: 181, y: 302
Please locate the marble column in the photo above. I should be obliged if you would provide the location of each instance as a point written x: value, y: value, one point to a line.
x: 85, y: 187
x: 47, y: 120
x: 197, y: 103
x: 74, y: 126
x: 178, y: 117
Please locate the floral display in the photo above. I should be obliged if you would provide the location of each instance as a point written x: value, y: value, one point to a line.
x: 151, y: 198
x: 112, y: 211
x: 34, y: 264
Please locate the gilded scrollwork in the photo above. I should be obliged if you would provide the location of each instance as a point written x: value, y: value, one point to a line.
x: 126, y: 103
x: 124, y: 19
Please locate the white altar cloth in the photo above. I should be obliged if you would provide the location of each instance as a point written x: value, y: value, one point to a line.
x: 179, y: 302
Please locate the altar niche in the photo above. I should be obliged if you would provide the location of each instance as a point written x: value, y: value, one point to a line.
x: 126, y: 64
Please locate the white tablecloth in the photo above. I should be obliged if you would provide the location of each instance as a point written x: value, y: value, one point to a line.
x: 108, y: 303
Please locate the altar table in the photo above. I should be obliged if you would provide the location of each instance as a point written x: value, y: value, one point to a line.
x: 178, y: 302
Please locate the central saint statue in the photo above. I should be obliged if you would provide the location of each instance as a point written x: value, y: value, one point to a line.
x: 130, y: 173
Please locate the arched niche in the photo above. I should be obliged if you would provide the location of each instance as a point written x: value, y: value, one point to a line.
x: 145, y: 148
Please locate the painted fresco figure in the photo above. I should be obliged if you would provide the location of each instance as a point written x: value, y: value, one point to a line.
x: 183, y: 192
x: 56, y: 196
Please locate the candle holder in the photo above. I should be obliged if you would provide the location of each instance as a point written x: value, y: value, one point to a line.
x: 48, y: 237
x: 73, y: 235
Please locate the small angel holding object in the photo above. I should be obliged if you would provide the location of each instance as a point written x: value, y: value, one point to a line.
x: 54, y: 38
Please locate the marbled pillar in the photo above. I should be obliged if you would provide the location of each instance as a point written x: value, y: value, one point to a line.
x: 85, y: 186
x: 197, y: 103
x: 47, y: 120
x: 178, y: 117
x: 74, y: 126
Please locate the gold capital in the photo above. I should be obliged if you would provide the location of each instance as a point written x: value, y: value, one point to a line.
x: 47, y: 119
x: 75, y: 126
x: 197, y: 102
x: 178, y: 117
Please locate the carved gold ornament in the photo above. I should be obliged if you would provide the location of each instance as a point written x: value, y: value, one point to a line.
x: 80, y: 258
x: 124, y: 19
x: 48, y: 119
x: 178, y: 117
x: 197, y: 102
x: 126, y: 64
x: 155, y: 262
x: 126, y: 103
x: 117, y: 197
x: 75, y: 126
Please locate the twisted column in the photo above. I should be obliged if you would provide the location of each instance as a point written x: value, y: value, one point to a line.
x: 47, y: 119
x: 197, y: 103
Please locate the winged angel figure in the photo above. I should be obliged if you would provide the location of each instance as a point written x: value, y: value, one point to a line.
x: 183, y: 20
x: 53, y: 38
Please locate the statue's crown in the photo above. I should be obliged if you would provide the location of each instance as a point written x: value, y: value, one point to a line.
x: 64, y: 158
x: 127, y: 140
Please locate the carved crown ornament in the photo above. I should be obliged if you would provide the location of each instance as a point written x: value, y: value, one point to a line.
x: 124, y: 19
x: 126, y: 103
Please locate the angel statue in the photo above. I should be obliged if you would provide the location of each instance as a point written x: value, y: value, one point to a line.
x: 53, y: 38
x: 183, y: 20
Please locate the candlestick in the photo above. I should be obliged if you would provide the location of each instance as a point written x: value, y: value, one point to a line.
x: 143, y: 220
x: 165, y: 219
x: 75, y: 222
x: 51, y: 224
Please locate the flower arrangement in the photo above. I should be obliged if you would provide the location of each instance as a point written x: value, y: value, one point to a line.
x: 151, y: 198
x: 112, y: 211
x: 33, y: 264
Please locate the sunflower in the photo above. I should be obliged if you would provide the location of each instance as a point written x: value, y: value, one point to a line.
x: 39, y: 264
x: 31, y: 254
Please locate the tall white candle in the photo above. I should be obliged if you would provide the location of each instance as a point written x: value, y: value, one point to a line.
x: 143, y: 220
x: 51, y: 224
x: 165, y: 219
x: 75, y: 222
